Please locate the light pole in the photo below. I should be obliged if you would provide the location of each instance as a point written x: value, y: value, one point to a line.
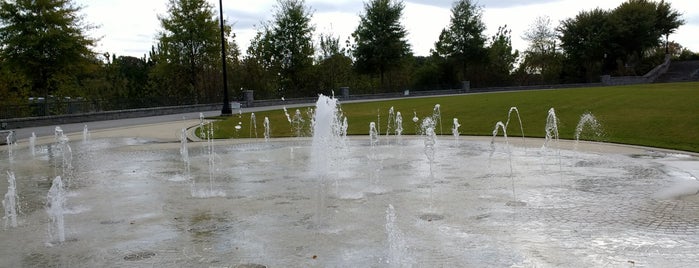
x: 226, y: 110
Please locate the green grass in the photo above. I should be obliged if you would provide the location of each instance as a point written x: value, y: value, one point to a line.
x: 656, y: 115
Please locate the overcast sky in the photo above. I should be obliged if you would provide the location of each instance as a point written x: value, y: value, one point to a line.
x: 129, y: 27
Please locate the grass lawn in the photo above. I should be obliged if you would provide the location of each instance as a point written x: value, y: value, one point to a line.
x: 656, y: 115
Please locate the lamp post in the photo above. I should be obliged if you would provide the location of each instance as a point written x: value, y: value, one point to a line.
x: 226, y: 110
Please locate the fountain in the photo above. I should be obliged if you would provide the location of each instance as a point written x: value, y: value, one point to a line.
x: 55, y: 207
x: 399, y: 126
x: 328, y: 140
x: 373, y: 135
x: 184, y: 152
x: 288, y: 117
x: 391, y: 121
x: 398, y: 251
x: 588, y: 120
x: 437, y: 117
x: 415, y: 121
x: 32, y: 144
x: 267, y: 129
x: 611, y: 204
x: 10, y: 141
x: 237, y: 128
x: 297, y: 123
x: 207, y: 131
x: 86, y: 134
x: 500, y: 126
x: 10, y: 202
x: 455, y: 129
x: 253, y: 124
x: 519, y: 118
x: 64, y: 153
x: 551, y: 129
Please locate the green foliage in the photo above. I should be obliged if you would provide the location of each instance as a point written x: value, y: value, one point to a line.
x: 289, y: 47
x: 623, y: 41
x: 380, y: 39
x: 189, y: 52
x: 462, y: 42
x: 541, y: 59
x: 126, y: 79
x: 46, y: 43
x: 501, y: 58
x: 280, y: 56
x: 585, y: 40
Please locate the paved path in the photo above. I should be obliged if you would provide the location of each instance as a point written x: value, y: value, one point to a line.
x: 44, y: 131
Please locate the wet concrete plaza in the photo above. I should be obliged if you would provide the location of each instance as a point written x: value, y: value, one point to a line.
x: 131, y: 203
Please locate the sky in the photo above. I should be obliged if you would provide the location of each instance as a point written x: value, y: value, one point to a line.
x: 129, y: 27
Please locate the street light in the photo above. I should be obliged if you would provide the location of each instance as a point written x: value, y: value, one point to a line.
x: 226, y: 110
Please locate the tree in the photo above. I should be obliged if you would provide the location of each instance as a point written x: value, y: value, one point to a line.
x: 667, y: 21
x: 380, y: 39
x: 501, y: 58
x: 463, y: 42
x: 638, y: 26
x: 290, y: 46
x: 541, y: 57
x: 334, y: 68
x: 127, y: 80
x: 46, y: 42
x: 585, y: 41
x: 189, y: 46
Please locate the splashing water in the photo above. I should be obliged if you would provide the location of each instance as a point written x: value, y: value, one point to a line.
x: 10, y: 202
x: 415, y: 121
x: 391, y: 121
x: 343, y: 127
x: 56, y: 200
x: 430, y: 138
x: 500, y: 126
x: 455, y: 128
x: 211, y: 159
x: 298, y: 123
x: 519, y: 118
x: 237, y: 128
x: 32, y: 144
x: 184, y: 151
x: 551, y: 128
x: 10, y: 139
x: 266, y: 126
x: 399, y: 125
x: 329, y: 129
x: 373, y: 135
x: 286, y: 113
x: 437, y: 118
x: 66, y: 153
x: 86, y: 134
x: 253, y: 124
x: 398, y: 254
x: 589, y: 120
x: 57, y: 133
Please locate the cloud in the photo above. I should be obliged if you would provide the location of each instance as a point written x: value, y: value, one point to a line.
x: 127, y: 30
x: 242, y: 19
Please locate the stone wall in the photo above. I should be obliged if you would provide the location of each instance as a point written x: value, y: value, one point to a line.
x: 650, y: 77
